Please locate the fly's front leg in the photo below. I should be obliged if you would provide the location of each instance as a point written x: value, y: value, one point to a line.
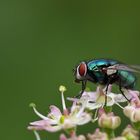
x: 83, y: 89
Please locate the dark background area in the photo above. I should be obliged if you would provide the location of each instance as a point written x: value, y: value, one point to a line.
x: 42, y: 41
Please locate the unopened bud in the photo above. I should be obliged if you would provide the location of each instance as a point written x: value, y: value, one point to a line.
x: 132, y: 112
x: 109, y: 121
x: 130, y: 133
x: 98, y: 135
x: 119, y: 138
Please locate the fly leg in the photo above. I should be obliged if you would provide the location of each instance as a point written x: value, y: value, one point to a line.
x: 83, y: 89
x: 106, y: 92
x: 120, y: 88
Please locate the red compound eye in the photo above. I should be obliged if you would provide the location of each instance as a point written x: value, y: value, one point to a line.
x: 82, y: 69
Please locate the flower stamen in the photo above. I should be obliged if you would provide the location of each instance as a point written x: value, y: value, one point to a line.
x: 62, y: 89
x: 37, y: 113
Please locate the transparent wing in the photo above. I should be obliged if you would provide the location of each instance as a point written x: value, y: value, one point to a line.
x: 135, y: 67
x: 131, y: 68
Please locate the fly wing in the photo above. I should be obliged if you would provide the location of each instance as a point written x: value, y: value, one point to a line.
x: 131, y: 68
x: 135, y: 67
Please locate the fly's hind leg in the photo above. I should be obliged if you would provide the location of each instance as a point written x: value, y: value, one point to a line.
x: 106, y: 90
x: 120, y: 88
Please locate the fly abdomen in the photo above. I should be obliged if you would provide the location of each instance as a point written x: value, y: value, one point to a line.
x: 127, y: 79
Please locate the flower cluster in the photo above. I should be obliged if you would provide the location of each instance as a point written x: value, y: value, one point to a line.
x: 89, y: 108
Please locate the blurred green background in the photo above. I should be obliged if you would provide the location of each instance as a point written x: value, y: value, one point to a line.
x: 42, y: 41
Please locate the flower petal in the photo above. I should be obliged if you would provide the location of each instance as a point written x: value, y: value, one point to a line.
x: 44, y: 122
x: 35, y: 128
x: 63, y: 137
x: 74, y: 106
x: 92, y: 95
x: 128, y: 110
x: 55, y: 111
x: 92, y: 106
x: 120, y: 98
x: 53, y: 128
x: 69, y: 123
x: 133, y: 94
x: 83, y: 119
x: 137, y: 114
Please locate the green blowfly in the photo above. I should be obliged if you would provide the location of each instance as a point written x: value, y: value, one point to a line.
x: 106, y: 72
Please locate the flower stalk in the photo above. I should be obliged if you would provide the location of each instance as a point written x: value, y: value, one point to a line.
x: 37, y: 135
x: 109, y: 132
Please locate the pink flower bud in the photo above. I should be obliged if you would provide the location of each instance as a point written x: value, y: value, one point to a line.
x: 119, y: 138
x: 97, y: 135
x: 109, y: 121
x: 130, y: 133
x: 74, y: 137
x: 132, y: 111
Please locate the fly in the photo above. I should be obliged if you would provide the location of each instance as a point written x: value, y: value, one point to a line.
x: 106, y: 72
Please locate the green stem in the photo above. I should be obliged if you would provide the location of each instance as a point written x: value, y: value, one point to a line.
x: 136, y: 126
x: 107, y: 109
x: 36, y: 135
x: 70, y: 131
x: 110, y: 132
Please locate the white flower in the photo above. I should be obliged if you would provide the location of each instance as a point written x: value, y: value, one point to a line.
x: 57, y: 120
x: 96, y: 99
